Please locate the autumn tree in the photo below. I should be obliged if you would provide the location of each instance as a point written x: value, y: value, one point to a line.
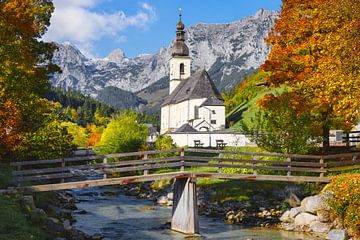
x: 316, y: 51
x: 25, y: 66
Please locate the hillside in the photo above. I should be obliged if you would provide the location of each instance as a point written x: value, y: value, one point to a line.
x: 241, y: 102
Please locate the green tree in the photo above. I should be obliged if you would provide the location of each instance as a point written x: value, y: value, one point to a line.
x: 78, y: 133
x: 284, y: 124
x: 50, y: 141
x: 123, y: 134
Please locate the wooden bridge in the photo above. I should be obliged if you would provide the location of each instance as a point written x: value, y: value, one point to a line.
x: 185, y: 166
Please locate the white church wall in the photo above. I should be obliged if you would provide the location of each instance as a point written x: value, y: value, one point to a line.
x: 175, y: 76
x: 215, y: 113
x: 208, y: 139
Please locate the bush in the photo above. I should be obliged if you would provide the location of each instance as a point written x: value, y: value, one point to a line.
x: 164, y: 143
x: 346, y: 201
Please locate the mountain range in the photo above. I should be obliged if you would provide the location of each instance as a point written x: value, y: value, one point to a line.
x: 228, y: 52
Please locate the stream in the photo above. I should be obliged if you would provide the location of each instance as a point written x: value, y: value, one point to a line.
x: 111, y: 213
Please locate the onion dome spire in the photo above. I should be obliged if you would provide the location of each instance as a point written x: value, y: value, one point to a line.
x: 179, y: 47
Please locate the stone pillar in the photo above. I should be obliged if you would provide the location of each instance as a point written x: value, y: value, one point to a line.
x: 184, y: 213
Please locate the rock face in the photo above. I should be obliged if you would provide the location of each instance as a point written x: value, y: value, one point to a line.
x: 228, y: 51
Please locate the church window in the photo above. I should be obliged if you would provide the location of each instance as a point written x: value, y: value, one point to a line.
x: 196, y: 113
x: 182, y: 69
x: 213, y: 121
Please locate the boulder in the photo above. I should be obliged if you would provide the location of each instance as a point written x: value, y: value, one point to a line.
x: 337, y: 234
x: 320, y: 227
x: 285, y: 217
x: 296, y: 211
x: 312, y: 204
x: 304, y: 219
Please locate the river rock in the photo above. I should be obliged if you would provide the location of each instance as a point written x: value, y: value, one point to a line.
x: 38, y: 215
x: 323, y: 215
x: 296, y: 211
x: 312, y: 204
x: 285, y: 217
x: 304, y: 218
x: 170, y: 196
x: 320, y: 227
x: 162, y: 200
x: 337, y: 234
x: 288, y: 226
x: 28, y: 203
x: 293, y: 200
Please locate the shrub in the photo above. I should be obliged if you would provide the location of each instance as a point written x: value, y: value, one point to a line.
x: 123, y: 134
x: 345, y: 203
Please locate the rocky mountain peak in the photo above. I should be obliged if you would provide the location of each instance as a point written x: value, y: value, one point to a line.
x: 116, y: 55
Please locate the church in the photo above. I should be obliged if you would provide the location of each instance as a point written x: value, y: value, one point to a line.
x: 194, y: 104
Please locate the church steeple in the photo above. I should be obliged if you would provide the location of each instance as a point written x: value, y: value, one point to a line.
x: 179, y: 48
x: 180, y: 63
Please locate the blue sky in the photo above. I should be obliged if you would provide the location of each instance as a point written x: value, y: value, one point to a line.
x: 99, y: 26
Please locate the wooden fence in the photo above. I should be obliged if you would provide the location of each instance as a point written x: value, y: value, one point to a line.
x: 200, y: 162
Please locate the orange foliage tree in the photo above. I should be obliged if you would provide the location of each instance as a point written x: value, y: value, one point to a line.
x: 24, y: 66
x: 9, y: 120
x: 316, y: 51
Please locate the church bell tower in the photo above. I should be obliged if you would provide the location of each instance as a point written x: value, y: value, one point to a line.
x: 180, y: 62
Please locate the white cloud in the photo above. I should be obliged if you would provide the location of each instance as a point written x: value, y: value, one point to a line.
x: 78, y: 22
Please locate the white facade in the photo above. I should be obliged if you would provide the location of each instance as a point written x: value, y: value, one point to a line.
x: 202, y: 118
x: 180, y: 68
x: 208, y: 139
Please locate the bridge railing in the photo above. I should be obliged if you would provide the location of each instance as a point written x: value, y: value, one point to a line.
x: 257, y: 164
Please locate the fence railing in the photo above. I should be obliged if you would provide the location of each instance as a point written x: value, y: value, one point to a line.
x: 184, y: 160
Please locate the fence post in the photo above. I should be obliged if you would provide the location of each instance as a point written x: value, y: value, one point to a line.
x: 220, y: 167
x: 321, y: 168
x: 62, y: 165
x: 182, y: 154
x: 146, y: 171
x: 289, y: 167
x: 254, y: 164
x: 104, y: 162
x: 19, y: 169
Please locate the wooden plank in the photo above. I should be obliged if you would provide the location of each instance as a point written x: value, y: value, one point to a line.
x: 88, y: 158
x: 344, y: 155
x: 101, y: 171
x: 343, y: 168
x: 209, y: 159
x: 344, y: 163
x: 300, y: 156
x: 154, y: 177
x: 101, y: 182
x: 93, y: 166
x: 292, y: 169
x: 262, y: 177
x: 57, y: 160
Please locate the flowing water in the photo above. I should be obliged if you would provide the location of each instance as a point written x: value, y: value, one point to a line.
x: 125, y: 217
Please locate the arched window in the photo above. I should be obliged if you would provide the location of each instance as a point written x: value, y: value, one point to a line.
x: 182, y: 69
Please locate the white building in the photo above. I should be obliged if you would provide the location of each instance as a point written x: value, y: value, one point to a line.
x: 193, y: 99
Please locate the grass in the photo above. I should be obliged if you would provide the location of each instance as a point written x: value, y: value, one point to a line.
x: 14, y: 223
